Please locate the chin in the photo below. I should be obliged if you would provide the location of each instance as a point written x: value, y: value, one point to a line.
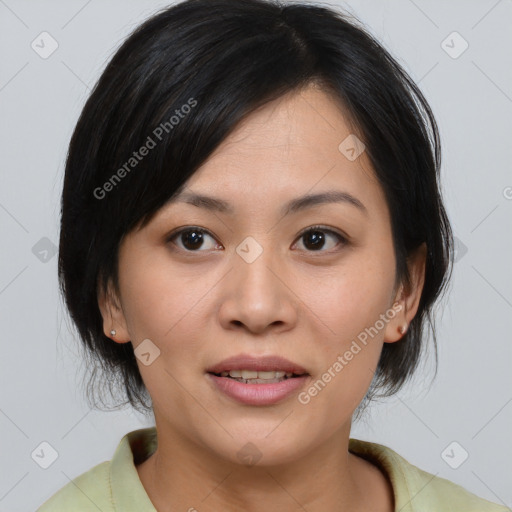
x: 261, y: 447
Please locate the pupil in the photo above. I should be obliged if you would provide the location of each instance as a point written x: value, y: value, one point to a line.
x: 317, y: 239
x: 188, y: 237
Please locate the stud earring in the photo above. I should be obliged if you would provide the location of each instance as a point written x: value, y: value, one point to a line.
x: 402, y: 329
x: 112, y: 332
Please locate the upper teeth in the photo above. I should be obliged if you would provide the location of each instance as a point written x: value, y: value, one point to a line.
x: 250, y: 374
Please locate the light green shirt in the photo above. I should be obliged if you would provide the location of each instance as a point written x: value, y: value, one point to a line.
x: 114, y: 486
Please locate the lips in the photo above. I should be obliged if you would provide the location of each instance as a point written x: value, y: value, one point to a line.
x: 257, y: 364
x: 257, y: 380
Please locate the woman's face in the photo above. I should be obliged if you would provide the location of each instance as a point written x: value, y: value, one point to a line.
x: 255, y: 285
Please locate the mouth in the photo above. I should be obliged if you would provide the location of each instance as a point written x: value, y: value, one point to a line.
x: 256, y: 368
x: 257, y: 380
x: 258, y: 377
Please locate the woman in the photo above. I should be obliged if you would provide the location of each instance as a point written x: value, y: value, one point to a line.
x: 253, y: 239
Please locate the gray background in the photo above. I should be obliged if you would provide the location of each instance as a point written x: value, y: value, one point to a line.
x: 41, y: 368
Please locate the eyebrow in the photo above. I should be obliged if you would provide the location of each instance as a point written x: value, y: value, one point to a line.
x: 292, y: 206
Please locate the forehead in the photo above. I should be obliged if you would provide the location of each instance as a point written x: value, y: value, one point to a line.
x: 290, y: 147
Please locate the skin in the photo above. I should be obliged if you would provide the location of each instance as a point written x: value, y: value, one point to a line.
x: 304, y: 303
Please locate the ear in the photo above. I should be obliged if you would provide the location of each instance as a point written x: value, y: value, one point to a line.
x: 407, y: 298
x: 112, y: 313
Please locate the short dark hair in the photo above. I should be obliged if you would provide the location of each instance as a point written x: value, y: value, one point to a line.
x: 183, y: 80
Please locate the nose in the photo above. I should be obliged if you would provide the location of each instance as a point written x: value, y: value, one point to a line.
x: 258, y: 296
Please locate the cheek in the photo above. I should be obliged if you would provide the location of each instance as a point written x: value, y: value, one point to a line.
x: 353, y: 298
x: 162, y: 305
x: 166, y: 304
x: 147, y: 295
x: 351, y: 304
x: 352, y: 308
x: 152, y: 294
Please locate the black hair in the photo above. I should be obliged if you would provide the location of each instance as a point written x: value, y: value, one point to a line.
x: 179, y: 85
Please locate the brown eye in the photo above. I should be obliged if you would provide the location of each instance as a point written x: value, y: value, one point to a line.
x: 316, y: 238
x: 192, y: 239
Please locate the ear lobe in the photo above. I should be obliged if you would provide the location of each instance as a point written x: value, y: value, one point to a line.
x: 408, y: 296
x: 112, y: 314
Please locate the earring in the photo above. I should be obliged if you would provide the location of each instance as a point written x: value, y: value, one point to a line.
x: 112, y: 332
x: 402, y: 329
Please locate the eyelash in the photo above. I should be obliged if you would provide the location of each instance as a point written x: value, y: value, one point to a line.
x: 342, y: 239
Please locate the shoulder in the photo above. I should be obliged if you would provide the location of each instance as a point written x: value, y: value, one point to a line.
x: 112, y: 485
x: 88, y: 492
x: 440, y: 492
x: 415, y: 489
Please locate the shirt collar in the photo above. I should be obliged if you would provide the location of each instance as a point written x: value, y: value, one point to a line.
x: 128, y: 493
x: 392, y: 466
